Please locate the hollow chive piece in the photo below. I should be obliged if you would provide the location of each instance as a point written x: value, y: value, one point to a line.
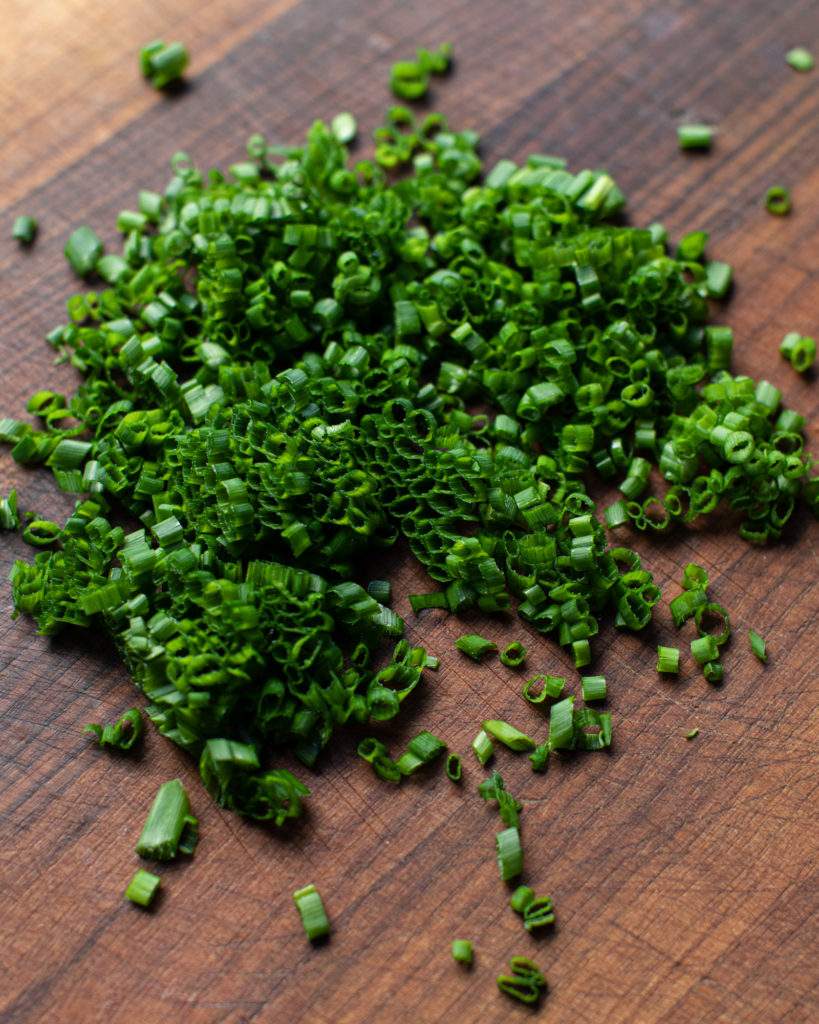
x: 694, y: 136
x: 381, y: 590
x: 692, y: 246
x: 165, y: 823
x: 561, y: 725
x: 123, y: 735
x: 525, y: 982
x: 717, y: 611
x: 540, y: 756
x: 778, y: 200
x: 409, y: 80
x: 24, y: 229
x: 344, y: 127
x: 694, y: 577
x: 539, y: 913
x: 691, y: 733
x: 509, y: 853
x: 143, y: 888
x: 9, y: 518
x: 668, y: 659
x: 718, y: 278
x: 712, y: 670
x: 800, y: 350
x: 454, y: 767
x: 521, y: 898
x: 483, y: 747
x: 162, y: 64
x: 421, y: 750
x: 475, y: 647
x: 41, y: 532
x: 800, y: 58
x: 82, y: 250
x: 513, y: 655
x: 684, y: 605
x: 704, y: 649
x: 593, y: 687
x: 493, y: 788
x: 462, y: 951
x: 507, y: 734
x: 719, y: 343
x: 758, y: 646
x: 550, y: 686
x: 313, y: 916
x: 420, y: 601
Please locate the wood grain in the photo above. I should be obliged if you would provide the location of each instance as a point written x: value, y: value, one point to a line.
x: 683, y: 872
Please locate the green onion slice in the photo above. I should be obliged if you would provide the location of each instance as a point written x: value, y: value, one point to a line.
x: 143, y: 888
x: 758, y: 646
x: 313, y: 916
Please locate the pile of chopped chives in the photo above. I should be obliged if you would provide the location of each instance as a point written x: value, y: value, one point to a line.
x: 278, y: 372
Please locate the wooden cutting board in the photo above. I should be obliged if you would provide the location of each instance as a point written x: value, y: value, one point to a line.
x: 683, y: 871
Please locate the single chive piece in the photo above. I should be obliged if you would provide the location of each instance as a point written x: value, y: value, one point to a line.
x: 758, y: 646
x: 593, y: 687
x: 82, y: 250
x: 694, y: 577
x: 712, y: 670
x: 694, y: 136
x: 800, y: 350
x: 165, y: 822
x: 525, y: 982
x: 550, y: 686
x: 162, y: 64
x: 493, y: 788
x: 142, y: 888
x: 483, y: 747
x: 454, y: 767
x: 381, y: 590
x: 717, y: 610
x: 684, y: 605
x: 778, y: 200
x: 509, y: 853
x: 344, y: 127
x: 692, y: 246
x: 9, y: 517
x: 513, y: 655
x: 521, y: 898
x: 718, y: 277
x: 507, y: 734
x: 539, y: 756
x: 409, y: 80
x: 704, y: 649
x: 690, y: 735
x: 420, y: 601
x: 539, y: 913
x: 375, y: 752
x: 800, y: 58
x: 24, y: 229
x: 121, y: 736
x: 311, y: 909
x: 668, y: 659
x: 462, y: 951
x: 475, y: 647
x: 561, y: 725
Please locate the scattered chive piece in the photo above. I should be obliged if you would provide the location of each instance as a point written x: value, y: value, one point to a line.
x: 712, y: 670
x: 539, y: 756
x: 758, y: 646
x: 690, y: 735
x: 507, y: 734
x: 718, y: 277
x: 409, y: 80
x: 121, y: 736
x: 704, y: 649
x: 9, y: 517
x: 344, y: 127
x: 24, y: 229
x: 539, y: 913
x: 593, y: 687
x: 462, y: 951
x: 165, y: 823
x: 493, y: 788
x: 694, y: 577
x: 422, y: 749
x: 550, y: 686
x: 525, y: 981
x: 800, y: 58
x: 420, y: 601
x: 142, y: 888
x: 717, y: 610
x: 692, y: 246
x: 561, y: 725
x: 82, y: 250
x: 668, y: 659
x: 778, y: 200
x: 800, y: 350
x: 475, y: 647
x: 162, y: 64
x: 311, y: 909
x: 684, y: 605
x: 513, y: 655
x: 454, y: 767
x: 483, y: 747
x: 521, y: 898
x: 694, y: 136
x: 509, y: 853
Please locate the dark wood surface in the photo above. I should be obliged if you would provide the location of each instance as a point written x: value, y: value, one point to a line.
x: 683, y: 872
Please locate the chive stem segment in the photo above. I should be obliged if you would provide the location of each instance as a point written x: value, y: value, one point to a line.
x: 462, y: 951
x: 758, y: 646
x: 166, y: 821
x: 695, y: 136
x: 313, y: 916
x: 142, y: 888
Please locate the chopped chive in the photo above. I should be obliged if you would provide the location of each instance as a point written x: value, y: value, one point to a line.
x: 539, y: 913
x: 693, y: 732
x: 704, y: 649
x: 507, y: 734
x: 668, y: 659
x: 513, y: 655
x: 420, y: 601
x: 800, y: 58
x: 142, y: 888
x: 24, y: 229
x: 162, y: 64
x: 550, y: 686
x: 165, y: 823
x: 712, y: 670
x: 524, y: 983
x: 593, y: 687
x: 344, y: 127
x: 313, y: 916
x: 778, y: 200
x: 521, y: 898
x: 509, y: 853
x: 758, y: 646
x: 454, y: 767
x: 82, y: 250
x: 475, y: 647
x: 694, y: 136
x: 123, y: 735
x: 715, y: 611
x: 493, y: 788
x: 800, y: 350
x: 422, y: 749
x: 483, y: 747
x: 462, y: 951
x: 9, y: 517
x: 692, y: 246
x: 718, y: 277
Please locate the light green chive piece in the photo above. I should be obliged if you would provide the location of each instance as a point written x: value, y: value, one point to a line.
x: 690, y: 735
x: 313, y: 916
x: 593, y: 687
x: 800, y: 58
x: 462, y: 951
x: 142, y: 888
x: 509, y: 853
x: 344, y: 127
x: 758, y: 646
x: 694, y: 136
x: 507, y: 734
x: 799, y: 349
x: 704, y: 649
x: 778, y: 200
x: 668, y: 659
x: 483, y: 746
x: 162, y: 64
x: 474, y: 646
